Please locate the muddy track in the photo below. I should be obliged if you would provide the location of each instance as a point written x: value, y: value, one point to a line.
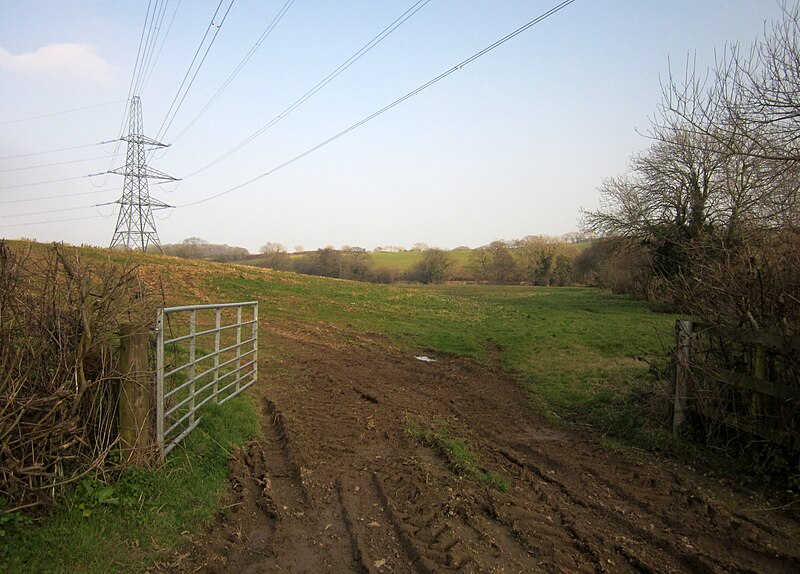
x: 353, y: 475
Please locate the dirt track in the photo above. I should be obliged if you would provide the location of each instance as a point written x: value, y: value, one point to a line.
x: 345, y: 481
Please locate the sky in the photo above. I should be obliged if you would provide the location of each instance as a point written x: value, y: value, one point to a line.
x: 514, y: 143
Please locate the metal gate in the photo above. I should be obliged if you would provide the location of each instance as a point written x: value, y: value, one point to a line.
x: 201, y: 357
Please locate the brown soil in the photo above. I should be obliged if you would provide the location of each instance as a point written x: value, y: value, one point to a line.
x: 346, y: 479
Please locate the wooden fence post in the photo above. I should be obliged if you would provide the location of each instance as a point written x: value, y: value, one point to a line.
x: 135, y: 395
x: 683, y: 353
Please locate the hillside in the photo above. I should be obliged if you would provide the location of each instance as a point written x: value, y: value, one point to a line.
x: 496, y: 455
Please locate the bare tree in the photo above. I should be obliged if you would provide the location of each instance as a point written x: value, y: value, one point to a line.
x: 271, y: 247
x: 433, y: 266
x: 275, y: 256
x: 481, y: 264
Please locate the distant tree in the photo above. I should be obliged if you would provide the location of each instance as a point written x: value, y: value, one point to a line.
x: 480, y: 262
x: 537, y: 256
x: 299, y: 249
x: 191, y: 248
x: 575, y: 237
x: 271, y: 247
x: 420, y: 247
x: 433, y: 266
x: 503, y: 266
x: 328, y: 262
x: 357, y: 265
x: 197, y: 248
x: 275, y: 256
x: 383, y: 275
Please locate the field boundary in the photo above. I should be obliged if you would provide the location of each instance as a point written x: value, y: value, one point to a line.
x: 740, y: 379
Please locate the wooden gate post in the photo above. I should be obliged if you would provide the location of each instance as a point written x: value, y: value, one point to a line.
x: 683, y: 353
x: 135, y: 395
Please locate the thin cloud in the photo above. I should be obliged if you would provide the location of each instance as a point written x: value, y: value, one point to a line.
x: 79, y: 61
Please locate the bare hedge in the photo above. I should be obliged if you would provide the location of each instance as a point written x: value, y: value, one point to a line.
x: 59, y: 325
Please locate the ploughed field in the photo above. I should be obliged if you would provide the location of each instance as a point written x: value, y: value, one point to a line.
x: 374, y: 461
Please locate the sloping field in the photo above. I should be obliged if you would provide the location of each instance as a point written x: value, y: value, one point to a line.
x: 371, y: 460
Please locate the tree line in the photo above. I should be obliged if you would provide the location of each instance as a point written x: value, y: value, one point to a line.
x: 533, y: 260
x: 707, y: 216
x: 707, y: 219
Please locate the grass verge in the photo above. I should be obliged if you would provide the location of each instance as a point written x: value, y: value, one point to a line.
x: 101, y: 528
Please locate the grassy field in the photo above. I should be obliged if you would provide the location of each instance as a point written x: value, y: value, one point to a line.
x: 403, y: 262
x: 574, y: 349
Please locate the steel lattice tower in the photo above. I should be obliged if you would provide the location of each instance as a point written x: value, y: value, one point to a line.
x: 136, y: 227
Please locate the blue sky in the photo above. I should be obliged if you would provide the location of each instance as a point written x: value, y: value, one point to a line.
x: 513, y: 144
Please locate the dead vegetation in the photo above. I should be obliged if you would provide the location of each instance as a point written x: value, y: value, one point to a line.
x: 59, y: 326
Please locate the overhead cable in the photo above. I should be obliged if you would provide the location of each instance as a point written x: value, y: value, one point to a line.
x: 59, y: 113
x: 134, y: 77
x: 50, y: 181
x: 161, y: 47
x: 324, y: 82
x: 395, y: 103
x: 55, y: 221
x: 173, y: 108
x: 6, y: 216
x: 150, y: 46
x: 58, y: 196
x: 52, y: 164
x: 31, y: 154
x: 239, y: 67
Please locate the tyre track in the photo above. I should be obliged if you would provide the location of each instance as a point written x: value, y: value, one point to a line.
x: 349, y: 486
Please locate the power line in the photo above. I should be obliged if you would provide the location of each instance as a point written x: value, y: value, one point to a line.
x: 256, y: 46
x: 53, y: 164
x: 51, y: 211
x: 161, y: 47
x: 136, y: 65
x: 324, y: 82
x: 31, y: 154
x: 165, y: 125
x: 20, y: 185
x: 57, y: 196
x: 150, y: 45
x: 55, y: 221
x: 395, y: 103
x: 59, y: 113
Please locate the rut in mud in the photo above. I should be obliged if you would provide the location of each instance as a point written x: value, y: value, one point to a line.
x: 372, y: 461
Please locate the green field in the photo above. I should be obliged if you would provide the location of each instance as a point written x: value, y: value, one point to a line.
x: 574, y: 349
x: 577, y: 349
x: 404, y: 261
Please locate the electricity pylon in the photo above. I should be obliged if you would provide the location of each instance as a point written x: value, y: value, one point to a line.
x: 136, y: 227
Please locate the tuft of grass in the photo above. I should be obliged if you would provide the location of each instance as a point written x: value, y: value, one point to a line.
x: 118, y: 527
x: 460, y: 458
x: 492, y: 479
